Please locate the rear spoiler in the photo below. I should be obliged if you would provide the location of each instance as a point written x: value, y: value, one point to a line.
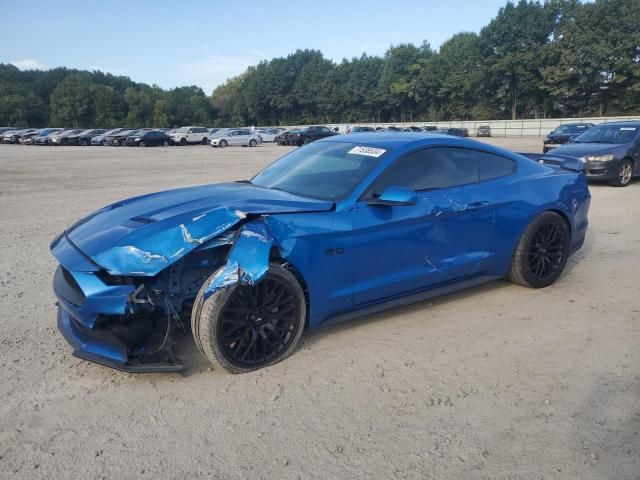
x: 561, y: 161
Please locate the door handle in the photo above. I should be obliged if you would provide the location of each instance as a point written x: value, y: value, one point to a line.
x: 477, y: 205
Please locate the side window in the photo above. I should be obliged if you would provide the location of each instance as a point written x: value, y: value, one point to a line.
x: 493, y: 166
x: 431, y: 168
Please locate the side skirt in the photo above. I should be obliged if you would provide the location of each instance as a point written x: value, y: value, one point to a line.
x: 408, y: 300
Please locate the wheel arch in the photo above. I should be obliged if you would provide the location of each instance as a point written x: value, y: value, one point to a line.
x: 564, y: 217
x: 275, y: 256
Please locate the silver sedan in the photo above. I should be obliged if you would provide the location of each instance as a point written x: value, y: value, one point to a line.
x: 236, y: 137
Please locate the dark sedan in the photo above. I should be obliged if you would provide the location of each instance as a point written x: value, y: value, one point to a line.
x: 564, y: 134
x: 609, y: 151
x: 151, y: 138
x: 456, y: 132
x: 84, y: 137
x: 303, y: 136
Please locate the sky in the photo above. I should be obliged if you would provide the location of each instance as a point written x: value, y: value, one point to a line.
x: 202, y: 43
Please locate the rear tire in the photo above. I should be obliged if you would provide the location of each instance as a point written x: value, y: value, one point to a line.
x: 244, y: 328
x: 624, y: 174
x: 307, y: 141
x: 253, y: 143
x: 542, y: 252
x: 165, y: 143
x: 204, y: 141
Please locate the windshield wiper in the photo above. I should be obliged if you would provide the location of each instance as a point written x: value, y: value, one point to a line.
x: 244, y: 181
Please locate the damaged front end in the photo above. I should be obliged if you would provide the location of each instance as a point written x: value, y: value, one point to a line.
x: 131, y: 322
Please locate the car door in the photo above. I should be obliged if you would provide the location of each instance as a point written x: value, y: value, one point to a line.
x: 233, y: 137
x: 441, y: 239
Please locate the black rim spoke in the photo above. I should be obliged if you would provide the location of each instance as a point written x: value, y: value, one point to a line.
x: 258, y: 322
x: 547, y: 250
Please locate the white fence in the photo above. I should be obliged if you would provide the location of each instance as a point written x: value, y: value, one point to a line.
x: 500, y: 128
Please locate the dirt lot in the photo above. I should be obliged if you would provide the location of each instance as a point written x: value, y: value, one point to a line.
x: 500, y: 382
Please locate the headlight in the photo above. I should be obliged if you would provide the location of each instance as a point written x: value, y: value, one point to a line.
x: 137, y: 139
x: 599, y: 158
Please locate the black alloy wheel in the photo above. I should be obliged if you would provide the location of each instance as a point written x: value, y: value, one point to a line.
x: 542, y: 252
x: 247, y: 327
x: 547, y: 251
x: 258, y: 323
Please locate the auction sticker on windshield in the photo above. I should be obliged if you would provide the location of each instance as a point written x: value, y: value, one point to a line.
x: 368, y: 151
x: 628, y: 128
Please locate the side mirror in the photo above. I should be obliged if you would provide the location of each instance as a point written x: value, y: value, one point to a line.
x: 395, y: 196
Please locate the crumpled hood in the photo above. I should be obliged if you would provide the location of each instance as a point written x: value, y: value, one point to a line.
x: 144, y: 235
x: 579, y: 150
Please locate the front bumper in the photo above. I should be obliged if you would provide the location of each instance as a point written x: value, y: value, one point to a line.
x: 602, y: 170
x: 95, y: 319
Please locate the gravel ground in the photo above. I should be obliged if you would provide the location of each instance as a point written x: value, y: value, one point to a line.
x: 498, y: 382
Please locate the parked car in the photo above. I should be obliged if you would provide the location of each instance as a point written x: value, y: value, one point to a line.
x: 305, y: 135
x: 429, y: 128
x: 610, y: 151
x: 360, y: 129
x: 84, y: 137
x: 43, y: 138
x: 564, y: 134
x: 483, y: 131
x: 27, y: 138
x: 43, y: 135
x: 190, y: 135
x: 280, y: 139
x: 456, y: 132
x: 119, y: 138
x: 254, y: 263
x: 152, y: 138
x: 13, y: 136
x: 268, y: 134
x: 62, y: 138
x: 241, y: 137
x: 98, y: 140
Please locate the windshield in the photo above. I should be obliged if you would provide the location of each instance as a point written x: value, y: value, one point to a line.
x: 565, y: 129
x: 324, y: 170
x: 608, y: 134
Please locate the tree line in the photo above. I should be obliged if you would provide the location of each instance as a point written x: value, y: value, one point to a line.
x: 560, y: 58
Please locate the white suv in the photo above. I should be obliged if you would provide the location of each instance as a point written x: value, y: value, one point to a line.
x: 187, y: 135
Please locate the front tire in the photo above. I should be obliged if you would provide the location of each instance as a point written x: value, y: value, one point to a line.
x: 252, y: 143
x: 542, y: 252
x: 142, y: 144
x: 244, y: 328
x: 222, y: 143
x: 183, y: 141
x: 624, y: 174
x: 204, y: 141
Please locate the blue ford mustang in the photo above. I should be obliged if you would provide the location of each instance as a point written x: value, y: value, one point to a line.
x: 339, y: 228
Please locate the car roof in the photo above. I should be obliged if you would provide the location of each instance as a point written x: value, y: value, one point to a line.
x: 621, y: 123
x: 409, y: 140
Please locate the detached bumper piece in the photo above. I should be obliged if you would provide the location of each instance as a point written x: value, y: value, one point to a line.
x: 113, y: 325
x: 105, y: 349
